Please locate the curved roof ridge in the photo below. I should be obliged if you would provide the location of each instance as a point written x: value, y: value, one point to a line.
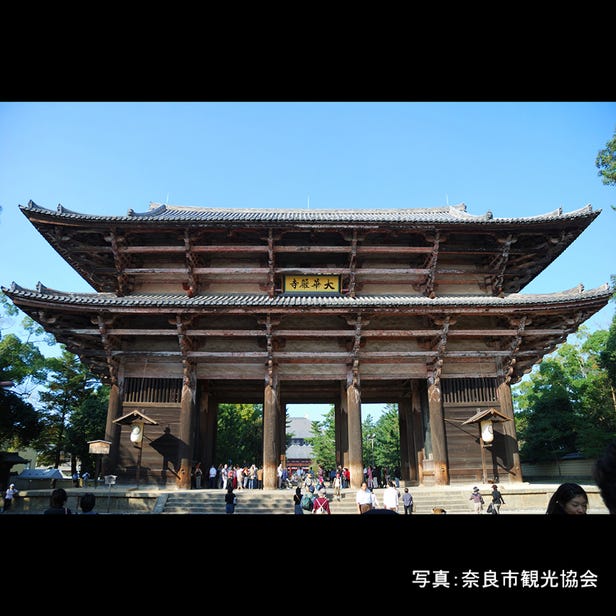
x: 556, y: 213
x: 577, y: 290
x: 447, y: 209
x: 263, y: 300
x: 453, y: 212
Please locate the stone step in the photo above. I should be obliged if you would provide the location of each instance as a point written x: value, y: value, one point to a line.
x: 255, y: 502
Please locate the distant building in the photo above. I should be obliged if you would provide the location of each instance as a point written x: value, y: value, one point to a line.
x: 299, y: 453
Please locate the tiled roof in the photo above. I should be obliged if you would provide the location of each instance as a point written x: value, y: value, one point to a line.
x: 210, y: 215
x: 175, y: 301
x: 301, y: 427
x: 299, y: 452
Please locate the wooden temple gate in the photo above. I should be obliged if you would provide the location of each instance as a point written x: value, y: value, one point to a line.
x: 195, y: 307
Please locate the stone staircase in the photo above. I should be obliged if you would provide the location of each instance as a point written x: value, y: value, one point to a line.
x: 280, y: 502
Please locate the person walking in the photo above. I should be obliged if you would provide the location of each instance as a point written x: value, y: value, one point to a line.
x: 198, y: 474
x: 390, y: 497
x: 407, y: 501
x: 297, y: 501
x: 213, y: 475
x: 230, y: 500
x: 337, y: 486
x: 9, y: 495
x: 477, y: 500
x: 363, y: 498
x: 321, y: 503
x: 497, y: 500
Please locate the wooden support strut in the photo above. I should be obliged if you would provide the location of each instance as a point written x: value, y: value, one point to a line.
x: 353, y: 265
x: 120, y: 262
x: 185, y: 342
x: 271, y: 264
x: 514, y: 348
x: 190, y: 287
x: 499, y: 264
x: 440, y: 352
x: 107, y: 342
x: 429, y: 285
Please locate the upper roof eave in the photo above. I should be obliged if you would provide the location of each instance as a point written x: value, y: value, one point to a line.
x: 162, y: 213
x: 181, y: 301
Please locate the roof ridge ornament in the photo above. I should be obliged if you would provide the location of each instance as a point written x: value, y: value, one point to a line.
x: 155, y: 210
x: 574, y: 290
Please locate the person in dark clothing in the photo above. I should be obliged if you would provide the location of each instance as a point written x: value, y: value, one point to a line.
x: 569, y: 499
x: 497, y: 500
x: 407, y: 501
x: 604, y: 474
x: 230, y: 500
x: 297, y: 501
x: 57, y: 504
x: 87, y: 502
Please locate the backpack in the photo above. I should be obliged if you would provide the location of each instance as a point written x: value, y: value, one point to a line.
x: 306, y: 502
x: 320, y: 508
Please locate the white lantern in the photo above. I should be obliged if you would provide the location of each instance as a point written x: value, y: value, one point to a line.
x: 487, y: 431
x: 136, y: 434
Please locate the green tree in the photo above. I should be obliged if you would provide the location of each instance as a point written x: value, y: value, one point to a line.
x: 69, y: 384
x: 22, y: 364
x: 239, y: 433
x: 323, y: 441
x: 19, y: 421
x: 382, y: 450
x: 566, y: 405
x: 387, y: 439
x: 550, y: 424
x: 87, y: 423
x: 607, y: 358
x: 606, y: 162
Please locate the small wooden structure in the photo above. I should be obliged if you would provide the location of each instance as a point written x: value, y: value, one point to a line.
x: 8, y: 459
x: 137, y: 421
x: 485, y: 420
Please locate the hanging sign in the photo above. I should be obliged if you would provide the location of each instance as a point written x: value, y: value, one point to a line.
x: 321, y: 284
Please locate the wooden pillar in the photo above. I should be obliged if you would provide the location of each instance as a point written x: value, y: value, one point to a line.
x: 281, y: 441
x: 109, y: 463
x: 417, y: 424
x: 511, y: 440
x: 342, y: 427
x: 437, y: 431
x: 270, y: 435
x: 188, y: 410
x: 408, y: 455
x: 355, y: 466
x: 208, y: 413
x: 337, y: 445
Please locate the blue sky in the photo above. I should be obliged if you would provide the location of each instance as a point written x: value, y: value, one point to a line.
x: 512, y: 158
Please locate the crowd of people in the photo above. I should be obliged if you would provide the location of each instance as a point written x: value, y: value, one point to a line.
x: 310, y: 494
x: 249, y: 477
x: 224, y: 476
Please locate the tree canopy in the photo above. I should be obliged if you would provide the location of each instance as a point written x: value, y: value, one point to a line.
x: 606, y: 162
x: 566, y: 405
x: 380, y: 440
